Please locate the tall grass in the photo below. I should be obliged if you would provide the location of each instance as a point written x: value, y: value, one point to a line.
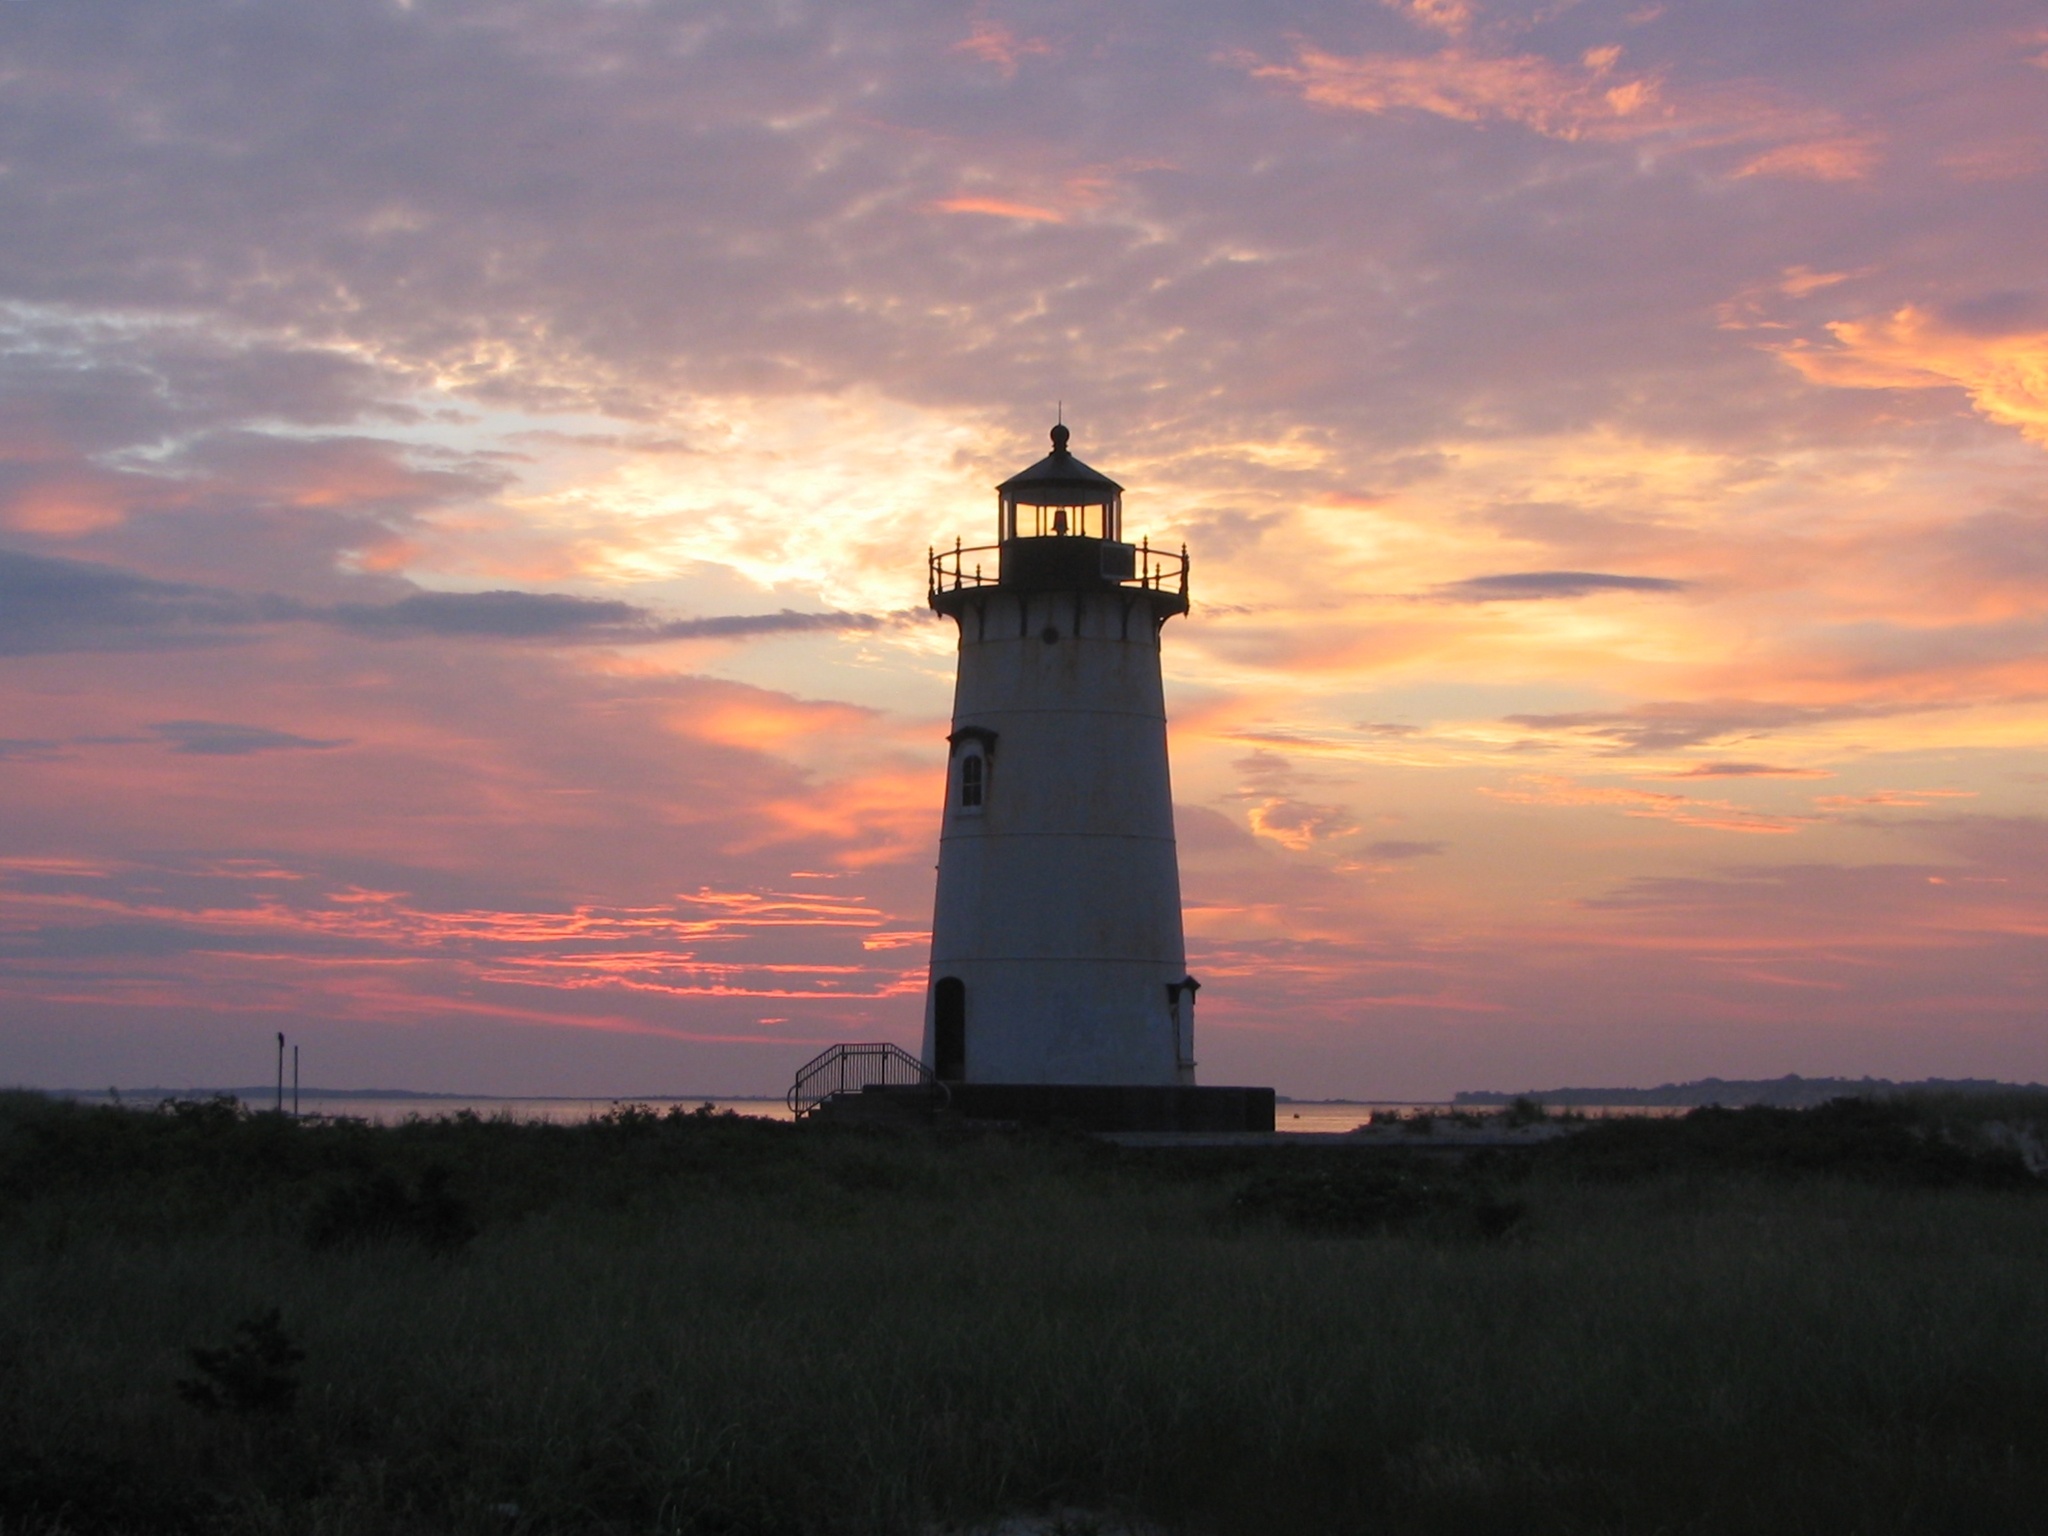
x: 704, y: 1325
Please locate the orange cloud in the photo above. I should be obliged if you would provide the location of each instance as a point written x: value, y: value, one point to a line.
x: 1298, y: 825
x: 671, y: 976
x: 1469, y: 88
x: 385, y: 917
x: 907, y: 938
x: 1746, y: 771
x: 630, y: 949
x: 994, y: 43
x: 1716, y: 815
x: 876, y: 819
x: 1001, y: 208
x: 1849, y: 158
x: 1798, y: 282
x: 349, y: 481
x: 1906, y: 798
x: 1590, y: 102
x: 765, y: 722
x: 66, y: 507
x: 2005, y: 376
x: 1453, y: 18
x: 91, y: 869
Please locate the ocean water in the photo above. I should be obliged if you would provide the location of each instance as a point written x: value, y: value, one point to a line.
x: 399, y: 1108
x: 402, y: 1107
x: 1328, y: 1117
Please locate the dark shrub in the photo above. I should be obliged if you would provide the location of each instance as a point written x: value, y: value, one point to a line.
x: 1883, y: 1141
x: 251, y: 1375
x: 378, y: 1208
x: 1370, y: 1192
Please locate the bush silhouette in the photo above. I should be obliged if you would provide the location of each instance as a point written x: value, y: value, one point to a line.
x: 251, y: 1375
x: 1875, y: 1141
x: 378, y: 1207
x: 1354, y: 1196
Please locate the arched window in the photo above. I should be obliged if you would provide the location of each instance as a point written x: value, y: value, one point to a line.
x: 1180, y: 1007
x: 973, y: 758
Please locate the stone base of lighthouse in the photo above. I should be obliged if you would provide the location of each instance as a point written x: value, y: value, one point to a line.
x: 1113, y: 1107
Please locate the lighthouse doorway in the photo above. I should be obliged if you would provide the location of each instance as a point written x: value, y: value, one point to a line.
x: 949, y: 1030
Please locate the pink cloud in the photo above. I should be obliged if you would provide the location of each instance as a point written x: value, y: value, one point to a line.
x: 1593, y: 101
x: 1524, y: 89
x: 995, y: 43
x: 1451, y: 17
x: 1850, y: 157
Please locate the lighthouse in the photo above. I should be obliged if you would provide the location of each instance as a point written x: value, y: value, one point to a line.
x: 1059, y: 990
x: 1057, y: 952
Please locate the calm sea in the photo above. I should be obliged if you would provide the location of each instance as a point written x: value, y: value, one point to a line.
x: 400, y: 1107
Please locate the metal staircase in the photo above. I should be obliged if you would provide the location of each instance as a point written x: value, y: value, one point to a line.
x: 851, y: 1070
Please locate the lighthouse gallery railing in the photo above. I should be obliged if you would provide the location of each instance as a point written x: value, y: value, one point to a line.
x: 980, y: 565
x: 853, y: 1068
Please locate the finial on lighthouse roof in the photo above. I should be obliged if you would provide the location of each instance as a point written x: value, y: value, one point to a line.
x: 1060, y: 480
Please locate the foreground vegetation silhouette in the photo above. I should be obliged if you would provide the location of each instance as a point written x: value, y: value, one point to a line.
x: 1738, y: 1321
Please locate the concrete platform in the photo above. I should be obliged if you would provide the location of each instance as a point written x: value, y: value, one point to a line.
x: 1116, y: 1108
x: 1092, y: 1107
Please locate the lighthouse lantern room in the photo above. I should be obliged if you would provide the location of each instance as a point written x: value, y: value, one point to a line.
x: 1057, y: 952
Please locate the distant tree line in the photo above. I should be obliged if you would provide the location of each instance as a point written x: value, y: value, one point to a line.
x: 1788, y: 1092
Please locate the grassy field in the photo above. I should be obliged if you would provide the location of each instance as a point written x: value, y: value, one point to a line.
x: 1831, y: 1321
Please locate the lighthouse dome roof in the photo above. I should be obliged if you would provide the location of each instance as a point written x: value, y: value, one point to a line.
x: 1060, y: 480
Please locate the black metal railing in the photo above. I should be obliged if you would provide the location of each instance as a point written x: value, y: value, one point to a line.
x: 853, y: 1069
x: 980, y: 565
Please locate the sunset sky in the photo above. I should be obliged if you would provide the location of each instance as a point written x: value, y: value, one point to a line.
x: 466, y: 468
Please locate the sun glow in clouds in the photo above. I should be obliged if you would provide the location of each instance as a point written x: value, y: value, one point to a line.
x: 470, y: 590
x: 2005, y: 375
x: 836, y: 497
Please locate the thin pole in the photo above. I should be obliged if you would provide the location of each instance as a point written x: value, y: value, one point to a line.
x: 280, y: 1071
x: 295, y: 1082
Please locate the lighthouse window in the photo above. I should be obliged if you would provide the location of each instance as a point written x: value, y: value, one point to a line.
x: 971, y: 781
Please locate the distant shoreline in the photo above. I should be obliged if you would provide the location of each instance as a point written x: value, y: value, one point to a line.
x: 1788, y: 1092
x: 269, y: 1090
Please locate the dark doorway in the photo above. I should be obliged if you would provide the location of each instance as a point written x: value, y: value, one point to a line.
x: 949, y: 1029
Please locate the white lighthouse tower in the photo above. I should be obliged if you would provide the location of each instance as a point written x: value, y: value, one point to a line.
x: 1057, y: 955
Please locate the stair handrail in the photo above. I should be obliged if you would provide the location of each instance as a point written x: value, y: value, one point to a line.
x: 849, y: 1068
